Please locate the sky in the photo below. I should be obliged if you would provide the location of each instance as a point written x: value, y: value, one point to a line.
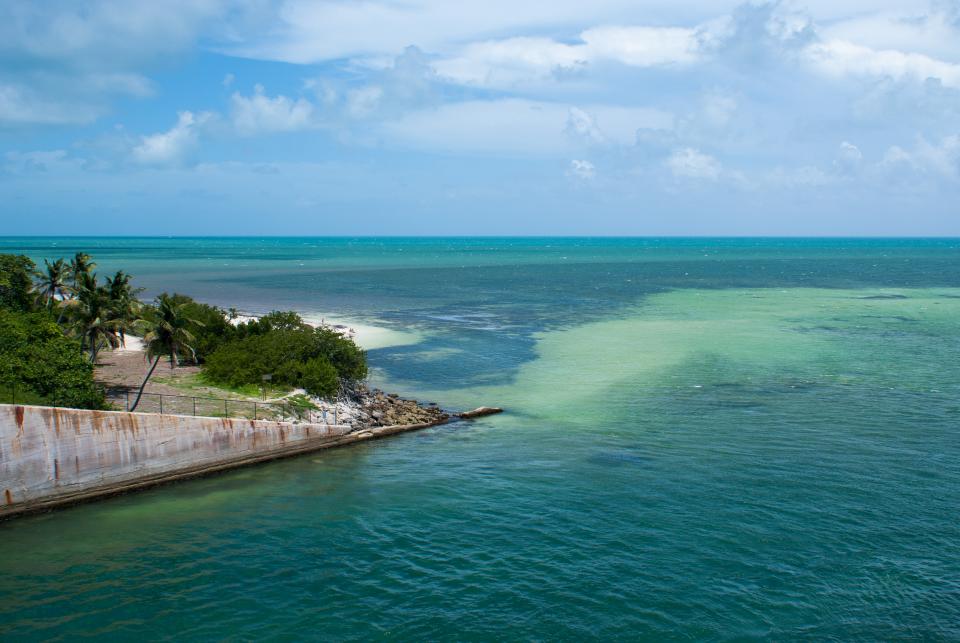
x: 431, y: 117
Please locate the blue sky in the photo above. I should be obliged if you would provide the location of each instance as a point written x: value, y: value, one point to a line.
x: 644, y: 117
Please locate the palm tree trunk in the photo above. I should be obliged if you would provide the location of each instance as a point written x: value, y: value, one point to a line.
x: 144, y: 385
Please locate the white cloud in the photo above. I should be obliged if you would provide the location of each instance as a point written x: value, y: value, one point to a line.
x: 510, y: 62
x: 364, y: 101
x: 63, y: 61
x: 643, y: 46
x: 689, y: 163
x: 519, y: 126
x: 839, y: 58
x: 260, y: 113
x: 751, y: 34
x: 306, y: 31
x: 515, y: 62
x: 172, y: 146
x: 21, y: 105
x: 849, y: 158
x: 940, y: 159
x: 581, y: 125
x: 582, y: 170
x: 934, y: 34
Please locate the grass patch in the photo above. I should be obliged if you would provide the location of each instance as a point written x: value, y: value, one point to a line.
x: 197, y: 384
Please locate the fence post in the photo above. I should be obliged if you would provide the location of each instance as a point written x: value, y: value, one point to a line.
x: 254, y: 410
x: 128, y: 401
x: 225, y: 412
x: 13, y: 395
x: 194, y: 407
x: 161, y: 403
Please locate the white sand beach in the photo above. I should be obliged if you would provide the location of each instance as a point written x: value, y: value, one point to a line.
x: 367, y: 336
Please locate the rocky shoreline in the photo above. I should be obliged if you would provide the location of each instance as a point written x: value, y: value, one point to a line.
x: 364, y: 408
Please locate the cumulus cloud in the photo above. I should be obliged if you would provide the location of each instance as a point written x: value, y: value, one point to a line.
x: 582, y: 170
x: 641, y: 46
x: 581, y: 125
x: 172, y: 147
x: 933, y: 33
x: 64, y: 61
x: 849, y: 158
x: 509, y: 62
x: 690, y: 163
x: 519, y: 126
x: 939, y: 159
x: 22, y: 105
x: 514, y: 61
x: 382, y: 92
x: 364, y: 101
x: 759, y: 33
x: 260, y: 113
x: 304, y: 31
x: 840, y: 58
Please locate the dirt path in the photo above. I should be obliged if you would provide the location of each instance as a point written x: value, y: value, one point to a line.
x: 122, y: 371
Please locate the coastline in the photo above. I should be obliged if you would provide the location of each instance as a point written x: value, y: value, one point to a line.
x: 366, y: 335
x: 360, y: 407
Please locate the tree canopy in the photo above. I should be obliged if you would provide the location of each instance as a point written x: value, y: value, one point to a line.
x: 55, y: 323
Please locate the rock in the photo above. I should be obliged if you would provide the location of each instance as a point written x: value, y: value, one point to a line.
x: 480, y: 412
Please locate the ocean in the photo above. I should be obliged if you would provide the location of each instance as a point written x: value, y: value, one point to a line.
x: 703, y: 439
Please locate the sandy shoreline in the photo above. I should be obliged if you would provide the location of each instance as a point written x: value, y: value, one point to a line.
x: 367, y: 336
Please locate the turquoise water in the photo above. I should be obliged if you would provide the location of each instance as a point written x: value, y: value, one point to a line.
x: 705, y: 438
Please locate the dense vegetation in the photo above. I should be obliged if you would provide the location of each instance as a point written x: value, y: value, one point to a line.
x: 290, y: 351
x: 54, y: 323
x: 39, y: 364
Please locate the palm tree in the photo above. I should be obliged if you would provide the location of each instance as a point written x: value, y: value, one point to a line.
x: 166, y: 335
x: 80, y: 265
x: 94, y: 320
x: 52, y: 284
x: 123, y: 303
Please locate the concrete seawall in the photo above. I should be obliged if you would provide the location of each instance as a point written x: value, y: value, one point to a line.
x: 54, y: 456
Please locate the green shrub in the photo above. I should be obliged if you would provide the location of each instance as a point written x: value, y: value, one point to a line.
x: 43, y: 364
x: 16, y: 282
x: 289, y: 350
x: 319, y: 377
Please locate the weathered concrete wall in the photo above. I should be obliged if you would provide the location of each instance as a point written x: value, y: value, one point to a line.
x: 54, y: 456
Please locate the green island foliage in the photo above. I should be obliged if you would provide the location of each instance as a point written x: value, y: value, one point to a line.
x: 40, y: 365
x: 209, y: 325
x: 16, y: 282
x: 55, y: 322
x: 290, y: 351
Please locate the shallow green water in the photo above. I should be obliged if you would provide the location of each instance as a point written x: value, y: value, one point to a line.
x: 705, y: 439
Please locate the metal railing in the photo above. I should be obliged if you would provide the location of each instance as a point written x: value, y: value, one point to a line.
x: 10, y: 393
x: 194, y: 405
x: 197, y: 405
